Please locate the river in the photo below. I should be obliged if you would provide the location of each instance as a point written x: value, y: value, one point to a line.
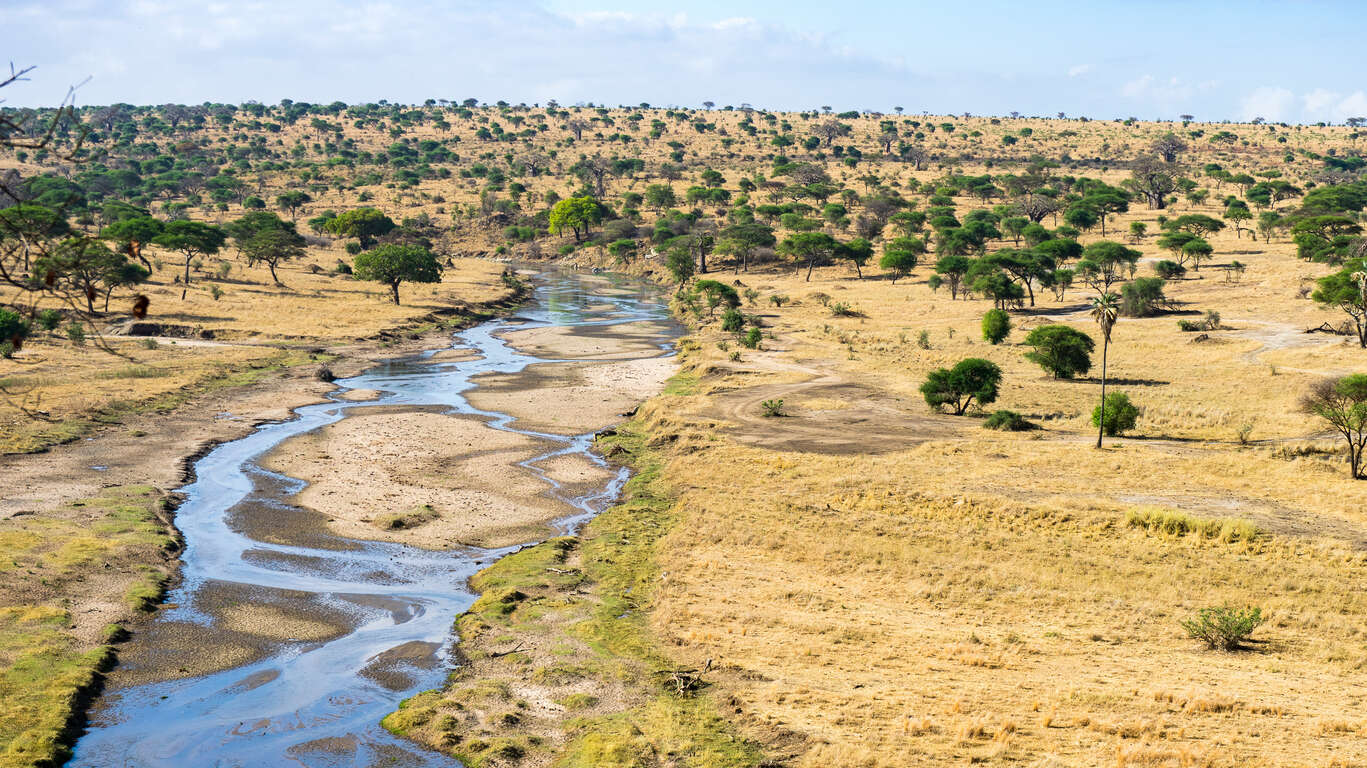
x: 318, y: 702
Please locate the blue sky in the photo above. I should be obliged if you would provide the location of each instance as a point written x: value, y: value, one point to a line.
x: 1285, y: 60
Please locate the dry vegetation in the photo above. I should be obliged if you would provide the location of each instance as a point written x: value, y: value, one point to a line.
x: 876, y: 584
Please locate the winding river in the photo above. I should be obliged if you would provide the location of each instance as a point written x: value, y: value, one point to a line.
x: 318, y: 702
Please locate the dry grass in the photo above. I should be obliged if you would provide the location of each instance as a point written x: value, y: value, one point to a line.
x: 987, y: 578
x: 56, y: 390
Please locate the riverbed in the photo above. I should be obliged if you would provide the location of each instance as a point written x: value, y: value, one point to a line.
x: 327, y: 556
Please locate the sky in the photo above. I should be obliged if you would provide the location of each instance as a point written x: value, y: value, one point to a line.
x: 1282, y: 60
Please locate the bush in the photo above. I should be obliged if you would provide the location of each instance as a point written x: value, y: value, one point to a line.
x: 49, y: 319
x: 1008, y: 421
x: 1142, y: 297
x: 13, y: 328
x: 1169, y: 270
x: 996, y: 326
x: 1120, y: 414
x: 353, y: 248
x: 752, y: 339
x: 1224, y: 628
x: 76, y: 332
x: 970, y: 379
x: 1060, y: 350
x: 772, y: 407
x: 732, y: 320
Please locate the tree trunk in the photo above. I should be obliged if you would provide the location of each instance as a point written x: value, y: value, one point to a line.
x: 274, y: 279
x: 185, y: 288
x: 394, y: 289
x: 1101, y: 422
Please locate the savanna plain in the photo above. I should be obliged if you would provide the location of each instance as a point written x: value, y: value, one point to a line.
x: 869, y: 521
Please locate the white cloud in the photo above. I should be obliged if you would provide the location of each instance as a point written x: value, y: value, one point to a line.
x: 1164, y: 92
x: 1331, y: 106
x: 1280, y: 104
x: 1270, y: 103
x: 1079, y: 70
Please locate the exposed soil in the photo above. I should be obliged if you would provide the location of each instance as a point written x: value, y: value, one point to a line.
x: 370, y: 468
x: 572, y: 398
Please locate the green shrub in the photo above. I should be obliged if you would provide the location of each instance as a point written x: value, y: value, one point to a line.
x: 76, y: 332
x: 732, y: 320
x: 1224, y: 628
x: 49, y: 319
x: 353, y: 248
x: 772, y: 407
x: 996, y: 326
x: 1008, y: 421
x: 752, y: 339
x: 1120, y: 414
x: 841, y: 309
x: 1169, y: 270
x: 1142, y: 297
x: 13, y: 328
x: 1060, y: 350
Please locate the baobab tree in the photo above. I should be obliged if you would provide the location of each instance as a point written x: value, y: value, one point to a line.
x: 1169, y: 146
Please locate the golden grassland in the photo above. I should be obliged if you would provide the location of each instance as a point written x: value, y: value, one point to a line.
x: 57, y: 390
x: 1003, y: 598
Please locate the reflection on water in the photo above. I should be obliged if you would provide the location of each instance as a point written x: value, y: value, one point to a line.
x: 310, y: 701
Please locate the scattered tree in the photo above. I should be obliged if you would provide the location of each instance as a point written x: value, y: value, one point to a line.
x: 957, y: 387
x: 393, y: 263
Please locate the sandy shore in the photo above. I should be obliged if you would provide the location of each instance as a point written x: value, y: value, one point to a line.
x: 425, y: 478
x: 571, y: 398
x: 590, y: 342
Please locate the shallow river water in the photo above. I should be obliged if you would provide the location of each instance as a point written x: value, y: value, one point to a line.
x: 318, y: 703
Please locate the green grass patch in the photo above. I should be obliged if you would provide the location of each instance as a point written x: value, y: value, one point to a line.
x: 43, y: 683
x: 45, y: 673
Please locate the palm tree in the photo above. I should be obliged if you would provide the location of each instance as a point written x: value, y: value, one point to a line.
x: 1105, y: 310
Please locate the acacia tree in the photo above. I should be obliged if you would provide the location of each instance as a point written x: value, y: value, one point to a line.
x: 364, y: 224
x: 1343, y: 403
x: 741, y: 239
x: 393, y: 264
x: 1347, y: 290
x: 87, y: 267
x: 900, y: 256
x: 191, y: 239
x: 1105, y: 310
x: 273, y: 246
x: 576, y: 214
x: 292, y: 200
x: 810, y: 247
x: 957, y: 387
